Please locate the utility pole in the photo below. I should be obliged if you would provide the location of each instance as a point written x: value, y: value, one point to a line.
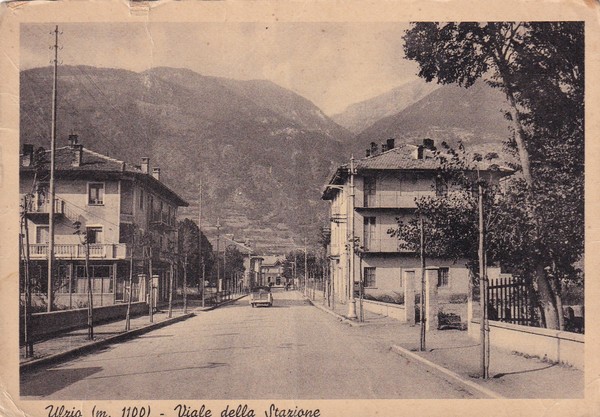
x: 52, y: 168
x: 185, y: 284
x: 422, y: 314
x: 219, y: 283
x: 352, y: 301
x: 90, y: 309
x: 483, y: 287
x: 129, y: 295
x: 200, y: 256
x: 305, y: 268
x: 151, y: 286
x: 27, y: 313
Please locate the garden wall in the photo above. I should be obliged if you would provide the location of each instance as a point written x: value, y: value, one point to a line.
x: 555, y: 345
x: 44, y: 325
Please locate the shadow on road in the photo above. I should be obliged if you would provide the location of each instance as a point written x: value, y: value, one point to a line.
x: 290, y: 303
x: 54, y: 380
x: 210, y: 365
x: 502, y: 374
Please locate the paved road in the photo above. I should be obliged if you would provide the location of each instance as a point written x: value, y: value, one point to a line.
x: 291, y: 350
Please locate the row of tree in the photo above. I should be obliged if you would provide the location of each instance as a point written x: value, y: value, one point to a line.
x: 536, y: 225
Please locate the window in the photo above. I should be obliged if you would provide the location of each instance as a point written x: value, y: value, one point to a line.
x: 96, y: 194
x: 94, y: 234
x: 41, y: 234
x: 65, y: 283
x: 441, y: 187
x: 369, y: 276
x: 443, y: 274
x: 370, y: 190
x: 100, y: 275
x: 141, y: 200
x: 41, y: 194
x: 127, y: 197
x: 369, y: 232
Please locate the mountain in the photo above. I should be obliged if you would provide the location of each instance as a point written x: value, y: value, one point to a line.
x: 359, y: 116
x: 450, y: 113
x: 261, y: 152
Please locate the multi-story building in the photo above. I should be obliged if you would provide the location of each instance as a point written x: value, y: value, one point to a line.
x: 111, y: 201
x: 271, y: 270
x: 366, y: 205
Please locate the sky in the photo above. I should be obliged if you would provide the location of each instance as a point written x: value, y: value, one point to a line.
x: 331, y: 64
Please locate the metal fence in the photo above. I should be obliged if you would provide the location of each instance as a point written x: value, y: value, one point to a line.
x: 510, y: 300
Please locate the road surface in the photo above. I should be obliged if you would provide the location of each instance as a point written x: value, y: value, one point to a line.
x: 289, y: 351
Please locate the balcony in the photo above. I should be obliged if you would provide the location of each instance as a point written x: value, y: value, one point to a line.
x: 40, y: 209
x: 386, y: 245
x: 162, y: 220
x: 393, y: 199
x: 74, y: 251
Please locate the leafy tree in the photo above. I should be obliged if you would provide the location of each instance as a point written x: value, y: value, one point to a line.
x: 188, y: 242
x: 313, y: 260
x: 539, y: 67
x: 233, y: 262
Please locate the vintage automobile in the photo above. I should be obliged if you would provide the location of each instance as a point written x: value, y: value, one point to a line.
x: 261, y: 296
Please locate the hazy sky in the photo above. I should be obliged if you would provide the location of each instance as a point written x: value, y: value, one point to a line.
x: 331, y: 64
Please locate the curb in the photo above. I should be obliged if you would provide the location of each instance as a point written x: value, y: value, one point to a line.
x: 410, y: 355
x: 59, y: 357
x: 202, y: 309
x: 336, y: 315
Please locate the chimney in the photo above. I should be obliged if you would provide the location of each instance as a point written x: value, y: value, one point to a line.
x: 156, y: 173
x: 373, y: 149
x: 27, y: 157
x: 73, y: 139
x: 418, y: 153
x: 146, y: 165
x: 77, y: 155
x: 429, y: 144
x: 391, y: 143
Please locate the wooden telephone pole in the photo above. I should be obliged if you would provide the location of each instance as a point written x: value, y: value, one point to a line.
x: 52, y: 168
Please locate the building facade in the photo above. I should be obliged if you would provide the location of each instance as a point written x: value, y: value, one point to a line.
x: 128, y: 216
x: 365, y: 205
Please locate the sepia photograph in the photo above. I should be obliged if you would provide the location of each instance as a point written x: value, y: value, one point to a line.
x: 257, y: 216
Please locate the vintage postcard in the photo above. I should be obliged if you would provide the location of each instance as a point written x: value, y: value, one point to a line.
x: 298, y: 209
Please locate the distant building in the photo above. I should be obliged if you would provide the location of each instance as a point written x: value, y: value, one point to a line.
x: 271, y: 271
x: 110, y: 199
x: 386, y: 184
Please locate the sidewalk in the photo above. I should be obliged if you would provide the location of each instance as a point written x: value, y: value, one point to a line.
x: 75, y: 342
x: 453, y: 355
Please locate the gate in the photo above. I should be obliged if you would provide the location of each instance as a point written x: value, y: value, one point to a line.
x: 510, y: 301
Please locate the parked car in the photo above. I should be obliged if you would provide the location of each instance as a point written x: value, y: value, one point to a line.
x: 261, y: 296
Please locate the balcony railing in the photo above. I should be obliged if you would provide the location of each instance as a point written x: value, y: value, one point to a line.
x: 393, y: 199
x: 43, y: 206
x: 162, y: 219
x: 383, y: 245
x: 74, y: 251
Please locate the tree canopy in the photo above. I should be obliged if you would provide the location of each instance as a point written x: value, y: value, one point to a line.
x: 539, y: 66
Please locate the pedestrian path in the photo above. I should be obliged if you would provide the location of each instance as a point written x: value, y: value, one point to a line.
x: 78, y: 338
x: 453, y: 354
x: 76, y: 341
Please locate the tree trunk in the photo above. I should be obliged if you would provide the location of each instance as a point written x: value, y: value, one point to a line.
x: 547, y: 298
x: 171, y: 272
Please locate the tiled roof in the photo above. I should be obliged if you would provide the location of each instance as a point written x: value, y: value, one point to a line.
x: 96, y: 162
x: 401, y: 157
x: 90, y: 161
